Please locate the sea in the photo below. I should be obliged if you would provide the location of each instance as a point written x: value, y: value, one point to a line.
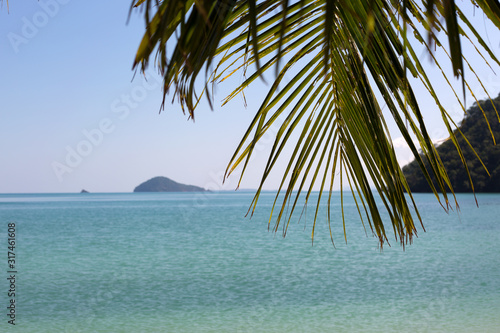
x: 196, y: 262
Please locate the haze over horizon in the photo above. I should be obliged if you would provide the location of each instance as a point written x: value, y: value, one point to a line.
x: 74, y: 116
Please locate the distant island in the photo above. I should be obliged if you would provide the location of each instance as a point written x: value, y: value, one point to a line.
x: 84, y: 191
x: 475, y: 129
x: 164, y: 184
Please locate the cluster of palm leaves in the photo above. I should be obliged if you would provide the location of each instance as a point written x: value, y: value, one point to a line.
x: 334, y: 64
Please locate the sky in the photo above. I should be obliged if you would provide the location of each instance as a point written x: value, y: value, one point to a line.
x: 73, y: 116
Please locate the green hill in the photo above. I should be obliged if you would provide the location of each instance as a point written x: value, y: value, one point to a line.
x: 164, y: 184
x: 475, y: 129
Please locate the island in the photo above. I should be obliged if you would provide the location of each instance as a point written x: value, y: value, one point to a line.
x: 475, y: 129
x: 84, y: 191
x: 164, y: 184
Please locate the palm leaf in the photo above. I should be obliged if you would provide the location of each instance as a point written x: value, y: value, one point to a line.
x: 340, y: 55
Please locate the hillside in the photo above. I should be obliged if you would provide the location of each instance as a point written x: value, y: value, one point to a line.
x: 475, y: 129
x: 164, y: 184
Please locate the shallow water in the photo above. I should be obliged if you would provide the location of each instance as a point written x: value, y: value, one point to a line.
x: 187, y: 262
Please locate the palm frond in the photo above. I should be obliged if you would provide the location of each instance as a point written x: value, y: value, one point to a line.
x: 340, y: 56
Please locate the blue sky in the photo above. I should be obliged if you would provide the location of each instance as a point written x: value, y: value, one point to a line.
x: 73, y: 116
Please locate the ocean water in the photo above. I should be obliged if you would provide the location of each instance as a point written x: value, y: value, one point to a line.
x: 192, y: 262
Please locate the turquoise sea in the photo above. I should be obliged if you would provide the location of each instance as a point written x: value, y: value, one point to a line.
x: 192, y: 262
